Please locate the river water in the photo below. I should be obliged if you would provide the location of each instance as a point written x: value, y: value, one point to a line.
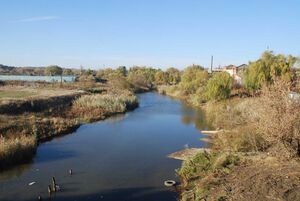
x: 120, y: 159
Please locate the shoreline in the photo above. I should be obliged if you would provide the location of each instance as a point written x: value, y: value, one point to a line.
x: 44, y: 125
x: 238, y: 161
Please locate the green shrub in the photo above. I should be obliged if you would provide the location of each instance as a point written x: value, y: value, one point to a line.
x: 204, y: 163
x: 219, y: 86
x: 267, y: 69
x: 193, y: 78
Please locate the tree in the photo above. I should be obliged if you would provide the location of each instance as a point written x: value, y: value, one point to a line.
x: 105, y: 74
x: 141, y: 77
x: 161, y: 77
x: 121, y: 70
x: 68, y: 72
x: 173, y: 76
x: 193, y: 78
x: 267, y: 69
x: 219, y: 86
x: 54, y: 70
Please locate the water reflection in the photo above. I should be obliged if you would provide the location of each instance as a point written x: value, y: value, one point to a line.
x: 194, y: 116
x: 14, y: 172
x: 116, y: 118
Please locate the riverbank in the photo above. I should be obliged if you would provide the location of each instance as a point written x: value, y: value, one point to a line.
x: 255, y: 157
x: 135, y: 143
x: 30, y: 115
x: 174, y: 91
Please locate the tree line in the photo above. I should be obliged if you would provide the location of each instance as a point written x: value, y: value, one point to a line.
x: 195, y: 80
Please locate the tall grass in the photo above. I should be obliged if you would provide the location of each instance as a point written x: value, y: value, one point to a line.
x: 111, y: 103
x: 95, y: 107
x: 16, y: 149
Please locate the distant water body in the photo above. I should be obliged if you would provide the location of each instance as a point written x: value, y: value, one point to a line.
x: 69, y: 78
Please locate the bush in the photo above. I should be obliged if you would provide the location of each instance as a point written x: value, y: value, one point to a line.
x: 193, y: 78
x: 279, y: 119
x: 204, y: 163
x: 120, y: 82
x: 267, y: 69
x: 141, y: 78
x: 219, y: 86
x: 237, y: 117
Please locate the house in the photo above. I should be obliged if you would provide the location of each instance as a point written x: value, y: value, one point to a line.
x: 236, y: 72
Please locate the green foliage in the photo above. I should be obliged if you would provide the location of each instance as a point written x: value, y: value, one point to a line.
x: 122, y: 71
x: 174, y: 76
x: 204, y: 163
x: 219, y: 86
x: 68, y: 72
x: 105, y: 73
x: 141, y: 77
x: 87, y: 76
x: 109, y: 74
x: 267, y: 69
x: 193, y: 78
x: 169, y: 77
x: 54, y: 70
x: 161, y: 78
x: 88, y: 72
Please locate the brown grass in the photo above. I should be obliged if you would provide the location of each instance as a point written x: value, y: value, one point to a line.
x: 98, y: 106
x: 279, y: 120
x: 47, y: 114
x: 14, y: 150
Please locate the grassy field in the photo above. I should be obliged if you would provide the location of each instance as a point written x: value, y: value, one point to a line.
x: 13, y: 94
x: 24, y: 93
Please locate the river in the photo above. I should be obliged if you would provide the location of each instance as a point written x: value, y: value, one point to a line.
x: 120, y: 159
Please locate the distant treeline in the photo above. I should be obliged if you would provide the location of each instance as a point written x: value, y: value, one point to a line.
x: 12, y: 70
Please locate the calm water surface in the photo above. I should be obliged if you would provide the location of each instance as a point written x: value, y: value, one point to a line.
x: 119, y: 159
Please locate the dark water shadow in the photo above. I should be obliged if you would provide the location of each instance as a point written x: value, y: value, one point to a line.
x: 16, y: 171
x: 53, y: 153
x: 121, y: 194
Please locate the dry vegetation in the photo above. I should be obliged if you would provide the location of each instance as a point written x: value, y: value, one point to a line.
x: 50, y: 111
x: 97, y: 106
x: 262, y: 133
x: 10, y: 149
x: 269, y: 122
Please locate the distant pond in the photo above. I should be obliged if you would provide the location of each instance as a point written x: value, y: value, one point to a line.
x: 68, y: 78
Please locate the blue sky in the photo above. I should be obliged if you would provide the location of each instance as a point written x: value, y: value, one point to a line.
x: 158, y: 33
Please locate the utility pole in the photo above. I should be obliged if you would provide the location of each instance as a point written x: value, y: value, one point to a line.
x: 211, y: 64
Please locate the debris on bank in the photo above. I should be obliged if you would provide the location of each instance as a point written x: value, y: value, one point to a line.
x: 211, y: 132
x: 187, y: 153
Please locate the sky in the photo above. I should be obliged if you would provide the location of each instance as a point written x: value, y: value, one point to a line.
x: 158, y: 33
